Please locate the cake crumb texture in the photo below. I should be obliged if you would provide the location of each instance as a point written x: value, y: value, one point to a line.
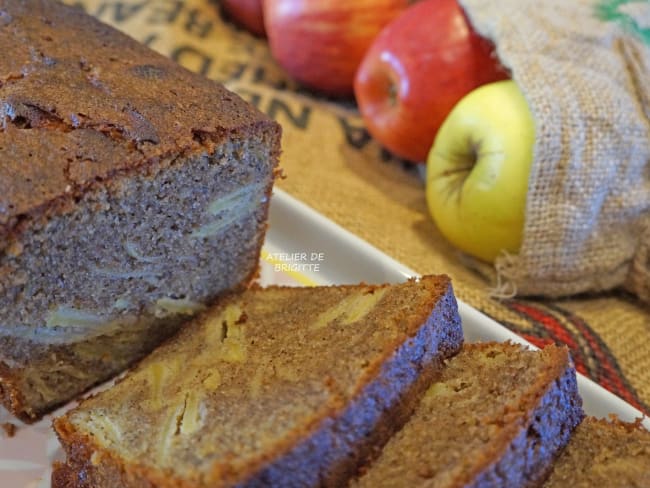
x: 272, y: 387
x: 132, y: 194
x: 604, y: 453
x: 497, y: 417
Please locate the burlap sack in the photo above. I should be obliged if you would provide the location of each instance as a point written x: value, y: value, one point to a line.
x: 584, y: 67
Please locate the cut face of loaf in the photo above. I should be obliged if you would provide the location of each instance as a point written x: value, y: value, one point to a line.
x: 275, y: 387
x: 132, y: 194
x: 604, y: 453
x: 497, y: 417
x: 97, y: 288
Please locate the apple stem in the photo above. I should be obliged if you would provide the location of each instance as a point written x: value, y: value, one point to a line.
x: 392, y: 94
x: 460, y: 158
x: 455, y: 171
x: 457, y: 175
x: 474, y: 152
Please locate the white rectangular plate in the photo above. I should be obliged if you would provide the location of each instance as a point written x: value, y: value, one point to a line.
x: 302, y: 248
x: 296, y: 228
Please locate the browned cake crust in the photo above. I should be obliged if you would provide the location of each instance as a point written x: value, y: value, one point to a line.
x: 385, y: 360
x: 83, y: 103
x: 111, y: 158
x: 604, y: 453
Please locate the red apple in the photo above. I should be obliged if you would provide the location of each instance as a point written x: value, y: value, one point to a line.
x: 320, y: 43
x: 417, y: 69
x: 247, y: 13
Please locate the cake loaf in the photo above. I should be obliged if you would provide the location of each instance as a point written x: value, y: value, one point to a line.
x: 498, y: 417
x: 273, y: 387
x: 132, y: 194
x: 604, y: 453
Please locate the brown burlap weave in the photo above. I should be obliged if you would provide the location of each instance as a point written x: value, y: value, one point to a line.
x: 585, y: 71
x: 333, y: 165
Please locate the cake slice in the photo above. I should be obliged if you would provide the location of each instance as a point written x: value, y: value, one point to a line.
x: 604, y: 453
x: 132, y: 194
x: 273, y: 387
x: 497, y: 417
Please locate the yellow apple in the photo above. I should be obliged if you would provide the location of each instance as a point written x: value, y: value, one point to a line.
x: 478, y: 169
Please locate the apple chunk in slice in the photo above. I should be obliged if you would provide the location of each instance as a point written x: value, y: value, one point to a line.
x: 478, y: 169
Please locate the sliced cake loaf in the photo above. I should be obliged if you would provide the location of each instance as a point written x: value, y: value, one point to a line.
x: 604, y: 454
x: 273, y: 387
x: 132, y: 193
x: 497, y: 418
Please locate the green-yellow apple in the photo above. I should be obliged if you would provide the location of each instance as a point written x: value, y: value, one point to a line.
x: 478, y: 169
